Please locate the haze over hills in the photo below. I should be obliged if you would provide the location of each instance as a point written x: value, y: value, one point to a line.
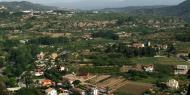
x: 182, y: 10
x: 100, y: 4
x: 24, y: 5
x: 132, y: 9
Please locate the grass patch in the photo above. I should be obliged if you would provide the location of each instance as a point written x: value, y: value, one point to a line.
x: 183, y: 47
x: 153, y: 60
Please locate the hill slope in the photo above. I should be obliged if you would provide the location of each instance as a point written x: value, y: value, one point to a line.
x: 24, y: 5
x: 131, y: 8
x: 182, y: 10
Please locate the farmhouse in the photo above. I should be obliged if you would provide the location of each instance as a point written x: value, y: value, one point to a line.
x: 14, y: 89
x: 138, y: 45
x: 38, y: 73
x: 54, y: 56
x: 148, y: 68
x: 40, y: 56
x: 173, y: 84
x: 51, y: 91
x: 181, y: 69
x: 2, y: 7
x: 46, y: 82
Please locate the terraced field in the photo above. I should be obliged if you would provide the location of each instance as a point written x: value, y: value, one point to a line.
x: 99, y: 79
x: 120, y: 84
x: 113, y: 83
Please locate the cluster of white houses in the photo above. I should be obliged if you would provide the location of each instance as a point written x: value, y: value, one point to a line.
x: 54, y: 88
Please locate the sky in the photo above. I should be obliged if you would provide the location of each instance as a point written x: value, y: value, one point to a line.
x: 99, y: 4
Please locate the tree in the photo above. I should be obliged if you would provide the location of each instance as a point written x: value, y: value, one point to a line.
x: 11, y: 82
x: 29, y: 91
x: 171, y: 49
x: 164, y: 69
x: 106, y: 35
x: 22, y: 58
x: 53, y: 74
x: 49, y: 40
x: 27, y: 79
x: 131, y: 51
x: 76, y: 82
x: 161, y: 85
x: 120, y: 21
x: 184, y: 37
x: 35, y: 50
x: 3, y: 89
x: 10, y: 43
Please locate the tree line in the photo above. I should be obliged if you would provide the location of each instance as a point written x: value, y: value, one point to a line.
x: 132, y: 51
x: 106, y: 35
x: 49, y: 40
x: 185, y: 37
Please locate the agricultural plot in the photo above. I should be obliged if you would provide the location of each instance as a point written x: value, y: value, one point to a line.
x: 133, y: 88
x: 183, y: 47
x: 157, y: 60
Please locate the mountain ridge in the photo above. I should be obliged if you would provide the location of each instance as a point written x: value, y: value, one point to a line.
x: 181, y: 10
x: 25, y: 5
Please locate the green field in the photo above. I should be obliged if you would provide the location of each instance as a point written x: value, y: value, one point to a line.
x: 183, y: 47
x: 153, y: 60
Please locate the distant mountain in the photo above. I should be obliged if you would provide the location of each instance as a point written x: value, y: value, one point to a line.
x: 182, y: 10
x: 24, y: 5
x: 131, y: 8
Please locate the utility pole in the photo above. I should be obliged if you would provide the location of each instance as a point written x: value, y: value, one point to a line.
x: 188, y: 90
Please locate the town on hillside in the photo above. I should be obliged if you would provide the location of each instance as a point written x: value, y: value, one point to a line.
x: 92, y: 52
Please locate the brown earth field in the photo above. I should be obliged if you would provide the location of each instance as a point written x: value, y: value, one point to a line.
x: 134, y: 88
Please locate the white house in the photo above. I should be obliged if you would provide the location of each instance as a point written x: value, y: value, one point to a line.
x: 63, y: 92
x: 51, y: 91
x: 95, y: 12
x: 14, y: 89
x: 39, y: 73
x: 149, y: 68
x: 173, y: 84
x: 62, y: 68
x: 40, y: 56
x: 54, y: 56
x: 23, y: 41
x: 3, y: 7
x: 181, y: 70
x: 94, y: 91
x: 27, y: 11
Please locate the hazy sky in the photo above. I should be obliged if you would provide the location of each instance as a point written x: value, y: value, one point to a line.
x: 96, y: 4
